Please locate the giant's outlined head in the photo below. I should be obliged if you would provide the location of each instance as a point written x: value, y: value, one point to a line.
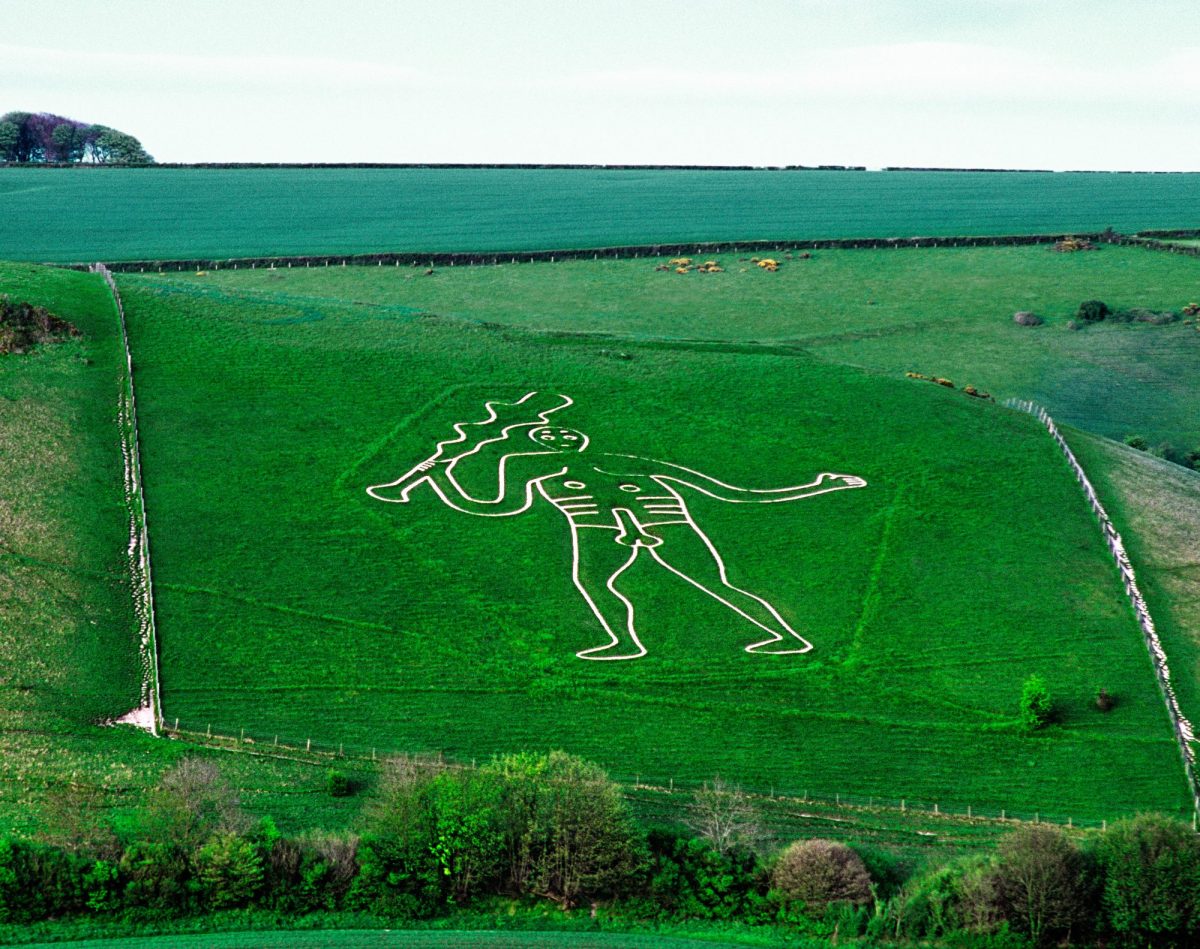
x: 559, y: 439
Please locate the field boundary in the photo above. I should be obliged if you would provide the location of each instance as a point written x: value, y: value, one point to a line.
x: 139, y: 539
x: 327, y: 755
x: 431, y: 259
x: 1184, y: 733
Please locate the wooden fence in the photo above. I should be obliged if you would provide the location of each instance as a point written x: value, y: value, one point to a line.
x: 139, y: 539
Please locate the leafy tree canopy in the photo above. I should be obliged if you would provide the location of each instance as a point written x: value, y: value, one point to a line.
x: 40, y: 137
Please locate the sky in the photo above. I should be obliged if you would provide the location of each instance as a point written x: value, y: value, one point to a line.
x: 1104, y: 84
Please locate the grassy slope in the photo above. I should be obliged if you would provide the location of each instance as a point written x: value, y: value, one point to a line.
x: 1156, y: 507
x: 67, y: 214
x: 943, y: 312
x: 309, y: 611
x: 66, y: 627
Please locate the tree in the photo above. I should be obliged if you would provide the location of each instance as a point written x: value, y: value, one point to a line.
x: 725, y: 816
x: 819, y: 872
x: 44, y: 137
x: 191, y: 803
x: 229, y: 871
x: 1151, y: 874
x: 567, y: 829
x: 10, y: 136
x: 1037, y: 707
x: 68, y: 141
x: 1039, y: 881
x: 107, y: 146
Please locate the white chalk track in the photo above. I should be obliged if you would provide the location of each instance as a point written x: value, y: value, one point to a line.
x: 619, y: 507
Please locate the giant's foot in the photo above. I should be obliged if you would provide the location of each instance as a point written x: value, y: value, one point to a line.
x: 780, y: 646
x: 614, y: 651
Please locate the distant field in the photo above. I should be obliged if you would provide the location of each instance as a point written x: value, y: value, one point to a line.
x: 946, y: 312
x: 85, y: 214
x: 292, y: 604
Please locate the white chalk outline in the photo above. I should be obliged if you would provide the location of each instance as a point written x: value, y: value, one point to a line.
x: 671, y: 505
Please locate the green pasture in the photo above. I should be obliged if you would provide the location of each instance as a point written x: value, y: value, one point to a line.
x: 65, y: 619
x: 292, y: 604
x: 85, y: 214
x: 945, y: 312
x: 1156, y: 507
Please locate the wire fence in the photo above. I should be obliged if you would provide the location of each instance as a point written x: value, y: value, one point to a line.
x: 796, y: 801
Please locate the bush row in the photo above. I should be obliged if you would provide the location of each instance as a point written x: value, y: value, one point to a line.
x: 552, y: 827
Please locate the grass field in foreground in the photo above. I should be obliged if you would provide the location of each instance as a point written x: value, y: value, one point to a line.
x: 944, y: 312
x: 68, y: 214
x: 292, y: 604
x: 384, y: 939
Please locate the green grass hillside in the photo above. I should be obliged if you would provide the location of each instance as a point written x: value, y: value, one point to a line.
x: 67, y: 214
x: 65, y: 624
x: 67, y: 636
x: 1156, y: 507
x: 290, y: 603
x: 942, y: 312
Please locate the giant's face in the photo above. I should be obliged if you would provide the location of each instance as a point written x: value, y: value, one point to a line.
x: 559, y: 439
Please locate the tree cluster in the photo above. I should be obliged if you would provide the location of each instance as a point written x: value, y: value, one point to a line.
x: 42, y: 138
x: 537, y: 827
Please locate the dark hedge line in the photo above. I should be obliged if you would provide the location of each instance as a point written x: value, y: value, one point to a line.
x: 451, y: 259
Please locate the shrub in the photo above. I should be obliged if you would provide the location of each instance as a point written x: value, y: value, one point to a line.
x: 1037, y: 708
x: 1151, y: 888
x: 1092, y: 311
x: 1137, y: 441
x: 339, y: 783
x: 23, y: 326
x: 690, y: 879
x: 1039, y: 881
x: 819, y: 872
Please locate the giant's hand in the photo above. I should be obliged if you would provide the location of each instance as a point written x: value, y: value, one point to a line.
x: 829, y: 481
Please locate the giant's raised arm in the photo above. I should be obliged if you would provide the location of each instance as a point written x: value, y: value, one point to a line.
x: 515, y: 495
x: 705, y: 484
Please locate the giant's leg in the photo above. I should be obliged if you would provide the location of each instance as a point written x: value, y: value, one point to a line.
x: 596, y: 564
x: 688, y: 553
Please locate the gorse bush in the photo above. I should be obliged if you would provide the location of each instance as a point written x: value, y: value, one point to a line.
x: 1092, y: 311
x: 23, y: 326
